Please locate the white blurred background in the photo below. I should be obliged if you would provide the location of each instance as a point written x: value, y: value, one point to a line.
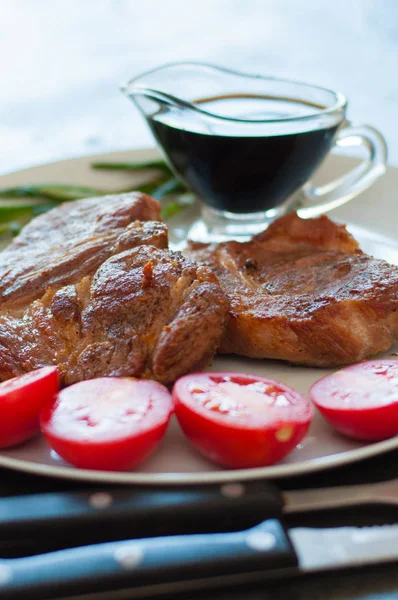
x: 62, y: 62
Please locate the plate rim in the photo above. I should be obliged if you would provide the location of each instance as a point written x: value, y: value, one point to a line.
x: 199, y: 478
x: 277, y: 471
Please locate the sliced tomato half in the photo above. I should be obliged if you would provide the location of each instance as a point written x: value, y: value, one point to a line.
x: 361, y: 401
x: 107, y: 423
x: 21, y: 399
x: 240, y: 420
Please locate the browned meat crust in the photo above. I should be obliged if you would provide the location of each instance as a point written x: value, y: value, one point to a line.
x: 72, y: 240
x: 303, y: 291
x: 106, y: 298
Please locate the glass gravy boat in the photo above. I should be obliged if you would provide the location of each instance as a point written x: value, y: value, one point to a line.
x: 247, y: 145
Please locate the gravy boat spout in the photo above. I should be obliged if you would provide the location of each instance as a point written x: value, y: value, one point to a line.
x: 184, y: 86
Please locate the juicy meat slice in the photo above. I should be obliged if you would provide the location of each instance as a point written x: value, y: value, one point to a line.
x: 72, y: 240
x: 93, y: 290
x: 146, y: 312
x: 304, y: 292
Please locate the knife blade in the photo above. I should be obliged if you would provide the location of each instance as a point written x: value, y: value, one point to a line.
x: 385, y: 492
x: 146, y: 565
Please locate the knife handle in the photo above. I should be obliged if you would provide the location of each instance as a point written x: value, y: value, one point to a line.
x: 143, y: 563
x: 79, y: 518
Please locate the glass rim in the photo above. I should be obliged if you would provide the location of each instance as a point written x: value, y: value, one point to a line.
x: 339, y: 105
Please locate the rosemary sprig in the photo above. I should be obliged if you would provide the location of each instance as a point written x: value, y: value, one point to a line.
x: 66, y: 193
x: 21, y: 203
x: 14, y: 212
x: 47, y: 191
x: 132, y: 166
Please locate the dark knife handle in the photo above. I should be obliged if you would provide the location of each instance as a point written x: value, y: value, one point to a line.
x: 144, y: 563
x: 80, y: 518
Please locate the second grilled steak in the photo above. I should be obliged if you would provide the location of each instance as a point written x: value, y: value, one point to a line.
x: 304, y: 292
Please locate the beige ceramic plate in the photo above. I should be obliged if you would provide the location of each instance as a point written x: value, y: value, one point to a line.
x: 175, y: 461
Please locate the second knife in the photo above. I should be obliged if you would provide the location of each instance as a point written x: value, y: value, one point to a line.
x: 74, y: 518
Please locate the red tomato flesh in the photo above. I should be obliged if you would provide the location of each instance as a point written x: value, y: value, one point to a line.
x: 361, y: 401
x: 241, y: 420
x: 107, y: 423
x: 21, y: 399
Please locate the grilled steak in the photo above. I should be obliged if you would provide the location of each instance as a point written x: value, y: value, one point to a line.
x: 303, y: 291
x: 95, y: 291
x: 73, y: 240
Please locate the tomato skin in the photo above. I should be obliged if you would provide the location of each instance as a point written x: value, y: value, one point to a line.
x: 365, y: 425
x: 241, y: 444
x: 111, y: 456
x: 237, y: 448
x: 348, y: 400
x: 123, y: 444
x: 21, y: 400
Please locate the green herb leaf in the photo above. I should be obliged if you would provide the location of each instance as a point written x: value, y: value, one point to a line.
x: 12, y: 227
x: 131, y: 166
x: 50, y: 191
x: 17, y: 212
x: 174, y: 207
x: 65, y: 193
x: 170, y: 210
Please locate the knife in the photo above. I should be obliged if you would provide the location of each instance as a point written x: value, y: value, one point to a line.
x: 89, y: 516
x: 146, y: 567
x: 47, y: 521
